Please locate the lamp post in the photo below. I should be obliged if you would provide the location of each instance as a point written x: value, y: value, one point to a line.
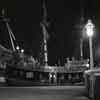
x: 90, y: 31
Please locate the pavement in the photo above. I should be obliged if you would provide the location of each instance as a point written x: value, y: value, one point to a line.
x: 43, y: 93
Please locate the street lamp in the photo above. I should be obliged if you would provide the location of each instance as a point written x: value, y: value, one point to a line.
x: 90, y: 31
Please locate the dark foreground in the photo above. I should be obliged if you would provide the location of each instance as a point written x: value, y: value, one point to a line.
x: 43, y: 93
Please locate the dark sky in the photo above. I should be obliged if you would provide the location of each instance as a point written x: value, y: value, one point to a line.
x: 64, y: 15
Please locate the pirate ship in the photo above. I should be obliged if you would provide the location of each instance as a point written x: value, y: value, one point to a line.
x: 23, y: 70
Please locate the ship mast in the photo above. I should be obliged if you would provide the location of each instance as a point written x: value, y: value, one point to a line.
x: 81, y: 27
x: 9, y: 30
x: 44, y: 25
x: 81, y: 39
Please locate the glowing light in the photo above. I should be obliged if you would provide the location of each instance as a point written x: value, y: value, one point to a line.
x: 22, y: 50
x: 17, y: 47
x: 89, y: 28
x: 87, y: 65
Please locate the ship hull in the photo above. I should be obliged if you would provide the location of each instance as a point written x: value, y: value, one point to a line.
x: 50, y: 75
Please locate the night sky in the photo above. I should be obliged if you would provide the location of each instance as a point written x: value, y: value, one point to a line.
x: 64, y: 16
